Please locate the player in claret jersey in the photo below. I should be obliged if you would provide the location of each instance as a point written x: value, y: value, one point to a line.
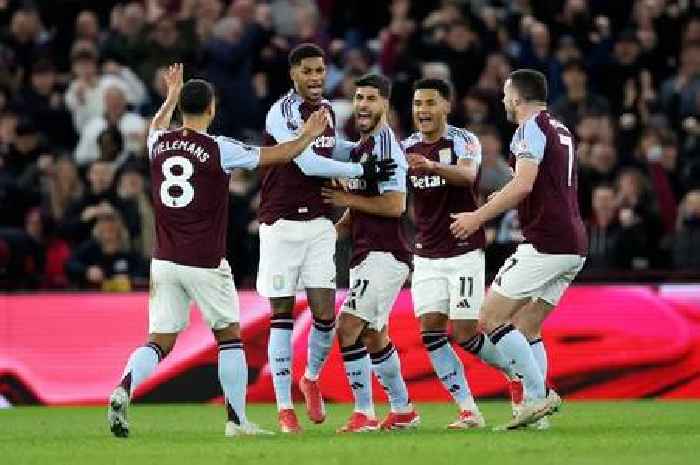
x: 297, y: 239
x: 448, y: 280
x: 378, y: 267
x: 190, y: 173
x: 531, y: 282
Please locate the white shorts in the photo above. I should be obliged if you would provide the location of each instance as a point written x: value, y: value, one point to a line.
x: 294, y: 253
x: 174, y: 286
x: 531, y: 274
x: 376, y: 282
x: 453, y: 285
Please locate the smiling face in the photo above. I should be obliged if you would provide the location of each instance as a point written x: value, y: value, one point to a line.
x: 430, y: 110
x: 368, y: 107
x: 309, y: 76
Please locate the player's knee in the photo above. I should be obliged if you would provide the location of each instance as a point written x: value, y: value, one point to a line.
x: 232, y: 331
x: 322, y: 303
x: 348, y: 329
x: 375, y: 341
x: 433, y: 322
x: 281, y: 305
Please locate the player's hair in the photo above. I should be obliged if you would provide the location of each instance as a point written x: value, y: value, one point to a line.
x: 530, y: 84
x: 378, y: 81
x: 440, y: 85
x: 306, y: 50
x: 195, y: 96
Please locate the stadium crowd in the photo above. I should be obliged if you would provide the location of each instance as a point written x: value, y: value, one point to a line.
x: 79, y: 81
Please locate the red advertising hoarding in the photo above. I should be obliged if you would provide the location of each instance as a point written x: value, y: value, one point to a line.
x: 603, y: 342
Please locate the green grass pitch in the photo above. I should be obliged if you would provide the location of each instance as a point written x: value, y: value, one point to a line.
x: 619, y: 433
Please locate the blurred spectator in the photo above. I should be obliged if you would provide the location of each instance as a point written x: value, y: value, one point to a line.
x: 43, y: 102
x: 229, y: 55
x: 495, y: 172
x: 599, y: 167
x: 680, y: 94
x: 85, y: 96
x: 105, y: 262
x: 27, y: 40
x: 686, y: 242
x: 131, y: 187
x: 640, y: 221
x: 604, y: 230
x: 99, y: 198
x: 124, y: 42
x: 170, y: 41
x: 87, y: 27
x: 131, y: 125
x: 621, y: 68
x: 64, y: 188
x: 55, y: 252
x: 110, y: 145
x: 461, y: 50
x: 242, y: 234
x: 578, y: 99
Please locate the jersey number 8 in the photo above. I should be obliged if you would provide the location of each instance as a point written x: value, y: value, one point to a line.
x: 177, y: 180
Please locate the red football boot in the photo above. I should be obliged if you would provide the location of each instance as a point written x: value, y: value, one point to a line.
x: 288, y: 421
x: 315, y: 406
x: 359, y: 423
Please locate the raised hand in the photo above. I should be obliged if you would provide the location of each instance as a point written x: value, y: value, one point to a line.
x: 173, y: 78
x: 419, y: 162
x: 316, y: 124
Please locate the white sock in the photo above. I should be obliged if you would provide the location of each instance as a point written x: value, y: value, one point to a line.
x: 482, y: 347
x: 448, y: 368
x: 142, y: 363
x: 233, y: 376
x: 387, y: 368
x: 540, y: 353
x: 320, y: 343
x: 279, y: 353
x: 358, y: 370
x: 515, y: 348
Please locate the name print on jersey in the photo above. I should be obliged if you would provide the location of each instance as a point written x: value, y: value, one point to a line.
x: 182, y: 145
x: 427, y: 181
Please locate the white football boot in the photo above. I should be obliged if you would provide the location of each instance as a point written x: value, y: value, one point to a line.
x: 116, y: 412
x: 532, y: 411
x: 245, y: 429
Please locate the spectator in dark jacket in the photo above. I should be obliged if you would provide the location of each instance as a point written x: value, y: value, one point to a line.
x: 105, y: 261
x: 686, y: 243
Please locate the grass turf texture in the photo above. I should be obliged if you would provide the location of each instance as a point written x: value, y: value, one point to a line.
x: 620, y: 433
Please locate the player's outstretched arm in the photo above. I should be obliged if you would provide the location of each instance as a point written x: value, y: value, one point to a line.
x: 287, y: 151
x: 509, y: 197
x: 173, y: 80
x: 391, y: 204
x: 462, y: 174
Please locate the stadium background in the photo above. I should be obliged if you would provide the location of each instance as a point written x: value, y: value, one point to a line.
x: 79, y: 80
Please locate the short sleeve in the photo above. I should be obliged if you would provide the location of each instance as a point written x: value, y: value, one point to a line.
x: 153, y: 136
x: 529, y: 142
x: 235, y: 154
x: 279, y: 123
x: 467, y: 146
x: 387, y: 146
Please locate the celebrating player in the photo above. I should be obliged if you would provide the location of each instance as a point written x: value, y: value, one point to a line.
x: 190, y: 176
x: 448, y: 280
x: 531, y: 282
x: 297, y: 240
x: 379, y: 265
